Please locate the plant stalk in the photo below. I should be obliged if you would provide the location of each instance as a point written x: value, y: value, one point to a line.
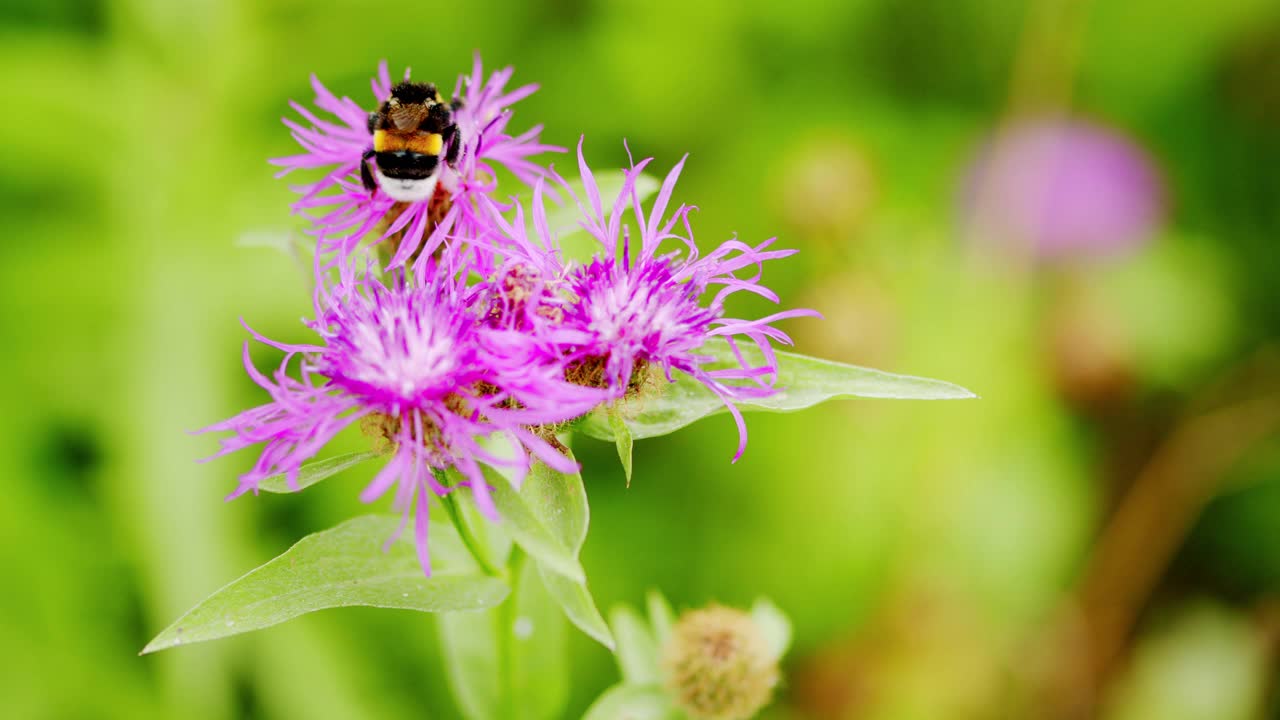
x: 469, y: 539
x: 507, y: 616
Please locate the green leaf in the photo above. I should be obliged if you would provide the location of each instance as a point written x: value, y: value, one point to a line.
x: 340, y: 567
x: 576, y: 601
x: 565, y: 495
x: 661, y: 617
x: 535, y: 683
x: 548, y: 518
x: 637, y: 651
x: 469, y: 645
x: 459, y: 509
x: 543, y: 516
x: 802, y: 383
x: 540, y: 652
x: 313, y: 472
x: 621, y: 438
x: 774, y: 625
x: 632, y: 702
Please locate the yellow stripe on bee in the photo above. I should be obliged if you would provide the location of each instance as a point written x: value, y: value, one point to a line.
x: 419, y: 142
x: 427, y: 144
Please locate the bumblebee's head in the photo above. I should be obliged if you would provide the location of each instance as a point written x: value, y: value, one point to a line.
x: 414, y: 93
x: 413, y: 106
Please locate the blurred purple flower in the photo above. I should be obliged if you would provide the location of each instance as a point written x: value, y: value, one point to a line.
x: 1064, y: 188
x: 416, y: 366
x: 630, y: 311
x: 351, y: 212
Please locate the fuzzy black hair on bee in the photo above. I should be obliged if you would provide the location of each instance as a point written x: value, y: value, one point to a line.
x: 409, y: 93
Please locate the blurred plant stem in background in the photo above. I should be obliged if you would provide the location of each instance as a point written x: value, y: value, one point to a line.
x: 1150, y: 522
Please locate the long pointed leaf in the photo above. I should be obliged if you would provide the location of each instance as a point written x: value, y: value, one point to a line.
x: 637, y: 652
x: 537, y: 686
x: 622, y: 439
x: 578, y: 605
x: 538, y: 516
x: 802, y: 383
x: 340, y: 567
x: 313, y: 472
x: 548, y: 518
x: 633, y: 702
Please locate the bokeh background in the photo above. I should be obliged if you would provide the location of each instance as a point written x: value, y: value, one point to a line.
x: 1072, y: 208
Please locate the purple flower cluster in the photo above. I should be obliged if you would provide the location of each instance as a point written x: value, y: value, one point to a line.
x: 636, y: 310
x: 475, y: 326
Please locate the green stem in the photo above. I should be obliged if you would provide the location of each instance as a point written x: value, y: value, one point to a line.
x: 507, y: 616
x: 473, y: 543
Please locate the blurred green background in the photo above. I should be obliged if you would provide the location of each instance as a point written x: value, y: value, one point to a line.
x: 1096, y: 537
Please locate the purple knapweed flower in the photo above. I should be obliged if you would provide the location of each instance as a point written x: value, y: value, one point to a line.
x: 418, y: 368
x: 628, y: 312
x: 348, y: 212
x: 1064, y: 189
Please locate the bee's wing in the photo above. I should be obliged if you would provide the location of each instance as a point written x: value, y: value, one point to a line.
x: 408, y: 117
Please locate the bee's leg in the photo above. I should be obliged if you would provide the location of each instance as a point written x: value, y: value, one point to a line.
x: 373, y: 122
x: 455, y: 104
x: 454, y: 142
x: 366, y: 176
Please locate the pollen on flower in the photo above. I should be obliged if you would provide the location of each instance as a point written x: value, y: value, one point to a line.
x: 521, y: 299
x: 643, y: 379
x: 518, y: 282
x: 515, y: 290
x: 384, y: 430
x: 381, y: 429
x: 593, y: 372
x: 588, y: 372
x: 717, y: 665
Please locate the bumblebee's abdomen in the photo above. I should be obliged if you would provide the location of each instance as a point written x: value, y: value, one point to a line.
x: 406, y: 165
x: 423, y: 143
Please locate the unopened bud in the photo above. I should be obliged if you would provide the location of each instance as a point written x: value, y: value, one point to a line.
x: 718, y: 666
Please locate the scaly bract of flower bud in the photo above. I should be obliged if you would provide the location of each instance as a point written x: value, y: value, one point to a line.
x: 717, y: 665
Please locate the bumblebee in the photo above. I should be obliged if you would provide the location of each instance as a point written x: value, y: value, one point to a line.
x: 411, y: 129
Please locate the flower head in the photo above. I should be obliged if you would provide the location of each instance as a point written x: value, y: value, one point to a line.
x: 416, y: 366
x: 1064, y: 190
x: 717, y: 664
x: 636, y: 305
x: 348, y: 211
